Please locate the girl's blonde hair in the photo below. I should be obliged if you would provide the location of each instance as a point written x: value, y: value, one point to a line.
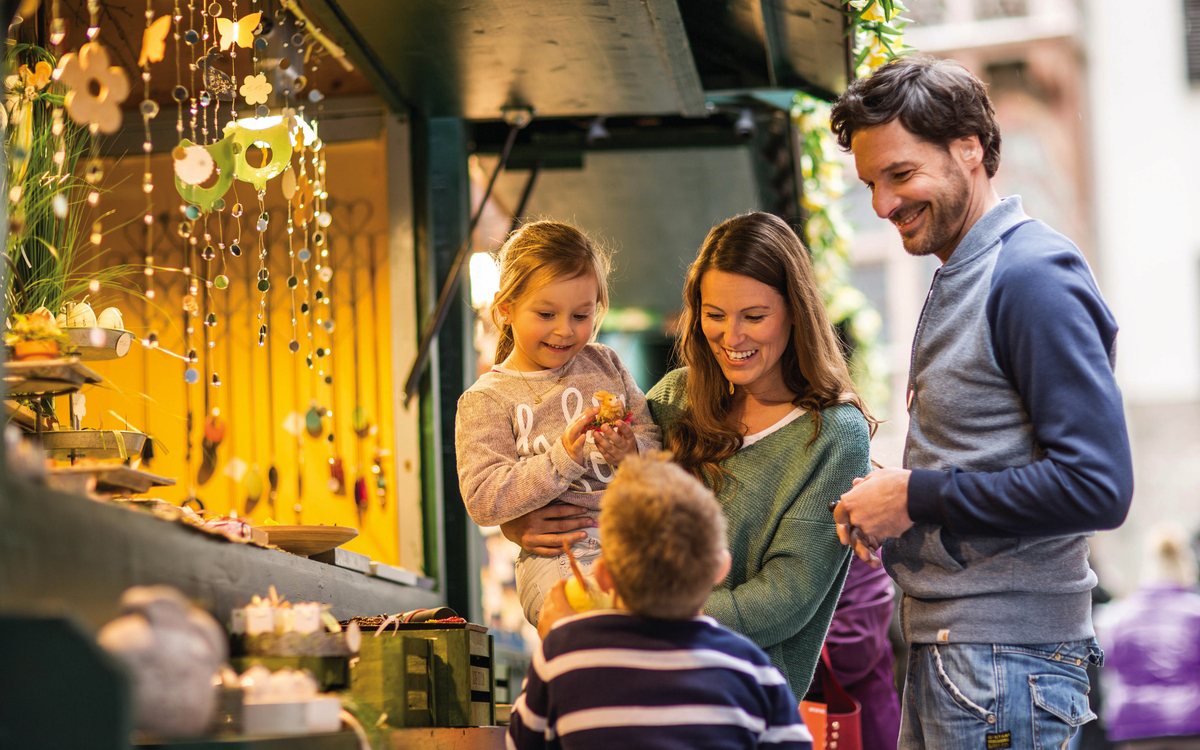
x: 537, y: 254
x: 763, y: 247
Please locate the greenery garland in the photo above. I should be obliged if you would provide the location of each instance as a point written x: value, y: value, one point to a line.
x: 877, y: 29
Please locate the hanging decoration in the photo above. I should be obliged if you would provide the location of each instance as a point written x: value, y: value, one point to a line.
x: 213, y: 154
x: 154, y: 40
x: 276, y: 138
x: 83, y: 71
x: 240, y: 32
x: 256, y: 89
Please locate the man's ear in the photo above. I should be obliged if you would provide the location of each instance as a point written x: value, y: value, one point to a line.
x: 723, y: 569
x: 603, y: 577
x: 968, y: 150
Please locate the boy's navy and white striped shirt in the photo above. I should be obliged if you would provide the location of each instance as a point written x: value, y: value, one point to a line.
x: 611, y: 679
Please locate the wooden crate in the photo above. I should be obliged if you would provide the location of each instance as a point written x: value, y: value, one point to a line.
x: 462, y: 679
x: 394, y: 674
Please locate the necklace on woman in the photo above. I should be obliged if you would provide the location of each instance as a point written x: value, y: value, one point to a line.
x: 537, y: 397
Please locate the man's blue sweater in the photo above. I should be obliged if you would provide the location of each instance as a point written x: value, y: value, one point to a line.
x: 1016, y: 439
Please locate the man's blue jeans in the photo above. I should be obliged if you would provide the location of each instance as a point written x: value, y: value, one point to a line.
x: 993, y: 697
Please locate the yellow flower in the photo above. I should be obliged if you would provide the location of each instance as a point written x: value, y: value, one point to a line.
x: 875, y: 12
x: 256, y: 89
x: 876, y: 57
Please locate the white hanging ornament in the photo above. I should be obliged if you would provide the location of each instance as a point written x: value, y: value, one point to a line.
x: 196, y: 166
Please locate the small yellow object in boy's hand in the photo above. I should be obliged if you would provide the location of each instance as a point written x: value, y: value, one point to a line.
x: 592, y: 598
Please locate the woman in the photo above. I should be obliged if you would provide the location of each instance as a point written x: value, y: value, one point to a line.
x: 764, y: 412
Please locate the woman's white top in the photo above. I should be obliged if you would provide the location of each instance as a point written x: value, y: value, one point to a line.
x: 791, y: 416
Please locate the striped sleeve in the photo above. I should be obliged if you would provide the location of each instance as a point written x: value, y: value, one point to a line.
x: 527, y: 724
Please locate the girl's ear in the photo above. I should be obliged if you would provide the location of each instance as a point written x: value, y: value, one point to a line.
x: 505, y: 310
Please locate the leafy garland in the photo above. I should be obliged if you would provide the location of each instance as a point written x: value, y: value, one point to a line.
x: 878, y: 37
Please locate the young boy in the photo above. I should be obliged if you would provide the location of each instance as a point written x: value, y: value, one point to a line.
x: 653, y: 672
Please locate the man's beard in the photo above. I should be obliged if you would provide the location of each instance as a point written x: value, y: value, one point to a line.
x: 945, y: 216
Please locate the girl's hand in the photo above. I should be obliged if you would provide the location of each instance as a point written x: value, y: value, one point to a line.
x: 615, y: 443
x: 575, y: 437
x: 541, y: 532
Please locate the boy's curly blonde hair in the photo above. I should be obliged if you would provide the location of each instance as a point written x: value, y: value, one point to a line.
x: 664, y: 537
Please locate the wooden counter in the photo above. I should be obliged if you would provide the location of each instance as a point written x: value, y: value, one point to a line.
x: 62, y: 553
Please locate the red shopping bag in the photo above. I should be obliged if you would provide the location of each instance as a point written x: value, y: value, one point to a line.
x: 835, y: 724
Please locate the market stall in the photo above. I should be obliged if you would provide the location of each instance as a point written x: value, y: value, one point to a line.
x: 234, y: 336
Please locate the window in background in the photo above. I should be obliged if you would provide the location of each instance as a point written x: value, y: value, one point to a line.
x: 926, y: 12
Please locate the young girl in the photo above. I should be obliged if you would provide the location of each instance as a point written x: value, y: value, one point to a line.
x: 522, y: 432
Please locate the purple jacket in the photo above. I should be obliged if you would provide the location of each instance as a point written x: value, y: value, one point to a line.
x: 1152, y: 657
x: 862, y: 654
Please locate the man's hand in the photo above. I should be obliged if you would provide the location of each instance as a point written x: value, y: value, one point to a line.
x: 616, y: 442
x: 541, y: 531
x: 875, y: 509
x: 554, y: 607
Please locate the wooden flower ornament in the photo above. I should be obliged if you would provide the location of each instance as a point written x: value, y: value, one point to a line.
x: 97, y: 89
x: 256, y: 89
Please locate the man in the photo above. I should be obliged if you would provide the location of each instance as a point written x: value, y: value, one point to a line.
x: 1017, y: 447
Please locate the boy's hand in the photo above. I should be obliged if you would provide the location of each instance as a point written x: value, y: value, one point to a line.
x: 616, y: 442
x: 575, y: 437
x: 554, y: 607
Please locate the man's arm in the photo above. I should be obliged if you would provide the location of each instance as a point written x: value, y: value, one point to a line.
x: 1052, y: 336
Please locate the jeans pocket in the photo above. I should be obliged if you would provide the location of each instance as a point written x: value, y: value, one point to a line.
x: 1060, y: 707
x: 966, y: 682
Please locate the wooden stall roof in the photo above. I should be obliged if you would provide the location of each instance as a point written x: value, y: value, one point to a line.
x: 582, y: 57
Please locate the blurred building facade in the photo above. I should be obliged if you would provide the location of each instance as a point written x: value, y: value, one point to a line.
x: 1100, y: 114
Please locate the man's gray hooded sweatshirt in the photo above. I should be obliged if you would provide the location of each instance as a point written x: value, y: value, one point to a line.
x: 1017, y: 441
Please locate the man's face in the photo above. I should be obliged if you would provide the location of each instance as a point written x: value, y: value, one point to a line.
x: 921, y: 188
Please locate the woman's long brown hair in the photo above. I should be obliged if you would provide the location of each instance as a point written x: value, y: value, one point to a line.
x: 762, y: 247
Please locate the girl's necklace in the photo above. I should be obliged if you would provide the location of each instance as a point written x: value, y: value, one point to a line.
x: 537, y: 397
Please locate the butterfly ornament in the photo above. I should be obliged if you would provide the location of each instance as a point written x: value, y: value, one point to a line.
x: 239, y: 32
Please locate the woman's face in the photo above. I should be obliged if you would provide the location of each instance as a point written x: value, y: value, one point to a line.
x: 748, y: 326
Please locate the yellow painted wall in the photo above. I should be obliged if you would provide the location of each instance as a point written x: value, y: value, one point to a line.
x: 148, y: 387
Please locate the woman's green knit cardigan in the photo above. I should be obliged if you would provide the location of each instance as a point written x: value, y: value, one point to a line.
x: 788, y: 565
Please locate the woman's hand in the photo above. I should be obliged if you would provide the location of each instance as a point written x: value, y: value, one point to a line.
x: 575, y: 437
x: 615, y: 442
x: 554, y: 607
x: 542, y: 531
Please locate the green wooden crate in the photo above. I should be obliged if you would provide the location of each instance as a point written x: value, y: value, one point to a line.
x: 394, y: 674
x: 462, y: 678
x: 331, y: 672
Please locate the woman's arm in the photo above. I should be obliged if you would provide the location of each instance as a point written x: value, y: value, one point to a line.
x: 804, y: 561
x: 542, y: 531
x: 496, y: 484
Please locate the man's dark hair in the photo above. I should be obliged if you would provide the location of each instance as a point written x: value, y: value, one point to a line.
x: 937, y: 100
